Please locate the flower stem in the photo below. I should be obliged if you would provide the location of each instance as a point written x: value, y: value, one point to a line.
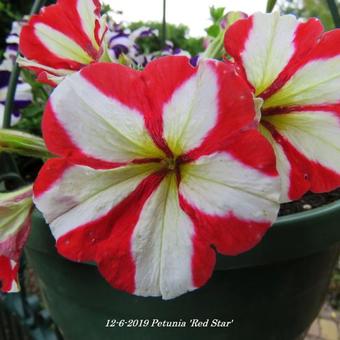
x: 36, y: 6
x: 164, y: 25
x: 8, y: 164
x: 270, y: 5
x: 10, y: 96
x: 335, y: 12
x: 216, y: 48
x: 21, y: 143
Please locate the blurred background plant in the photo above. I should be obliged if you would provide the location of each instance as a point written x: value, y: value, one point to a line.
x: 12, y: 10
x: 177, y: 34
x: 309, y: 8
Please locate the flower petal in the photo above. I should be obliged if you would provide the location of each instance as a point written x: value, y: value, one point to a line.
x: 218, y: 185
x: 265, y: 44
x: 162, y: 245
x: 107, y: 239
x: 72, y: 195
x: 313, y: 137
x: 47, y: 75
x: 231, y: 197
x: 79, y: 111
x: 8, y: 275
x: 284, y: 168
x: 89, y: 11
x: 162, y: 78
x: 15, y: 221
x: 192, y: 110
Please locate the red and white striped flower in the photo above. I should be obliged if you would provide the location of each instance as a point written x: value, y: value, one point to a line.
x: 295, y: 68
x: 15, y: 222
x: 63, y: 38
x: 8, y: 275
x: 155, y: 168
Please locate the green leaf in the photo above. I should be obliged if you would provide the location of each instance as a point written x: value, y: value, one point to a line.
x: 32, y: 110
x: 217, y: 13
x: 213, y: 30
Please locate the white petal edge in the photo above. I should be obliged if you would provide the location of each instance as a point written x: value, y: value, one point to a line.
x: 86, y: 10
x: 282, y: 165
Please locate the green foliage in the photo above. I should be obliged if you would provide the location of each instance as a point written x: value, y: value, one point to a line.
x: 31, y: 114
x: 106, y: 9
x: 213, y: 30
x: 178, y: 34
x: 334, y: 289
x: 216, y: 14
x: 308, y: 9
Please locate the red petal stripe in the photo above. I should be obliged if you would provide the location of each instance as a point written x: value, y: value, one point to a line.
x: 7, y: 274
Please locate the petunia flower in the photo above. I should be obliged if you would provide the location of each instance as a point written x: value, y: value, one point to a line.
x: 295, y: 68
x: 155, y: 168
x: 62, y: 39
x: 15, y: 222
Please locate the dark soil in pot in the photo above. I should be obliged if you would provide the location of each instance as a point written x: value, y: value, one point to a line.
x: 309, y: 201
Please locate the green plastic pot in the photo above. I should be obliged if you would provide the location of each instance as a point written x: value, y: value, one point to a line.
x: 272, y: 292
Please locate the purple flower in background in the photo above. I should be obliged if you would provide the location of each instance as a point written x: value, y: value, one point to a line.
x: 12, y: 46
x: 124, y: 42
x: 194, y: 60
x: 120, y: 43
x: 170, y: 49
x: 144, y: 32
x: 23, y: 96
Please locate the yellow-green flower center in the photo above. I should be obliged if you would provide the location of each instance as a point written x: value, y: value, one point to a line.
x: 169, y: 163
